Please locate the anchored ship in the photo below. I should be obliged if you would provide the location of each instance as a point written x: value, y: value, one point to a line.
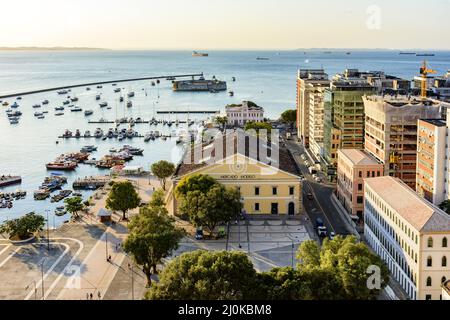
x: 200, y: 85
x: 199, y: 54
x: 9, y: 180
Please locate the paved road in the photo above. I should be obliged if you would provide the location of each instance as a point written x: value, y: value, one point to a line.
x: 321, y: 206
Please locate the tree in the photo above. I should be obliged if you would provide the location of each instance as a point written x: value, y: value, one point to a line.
x: 206, y: 275
x: 153, y: 237
x: 289, y: 117
x: 22, y: 228
x: 221, y: 121
x: 74, y: 205
x: 208, y: 207
x: 158, y: 199
x: 163, y: 170
x: 123, y: 197
x: 445, y: 206
x: 257, y: 126
x: 200, y: 182
x: 348, y: 260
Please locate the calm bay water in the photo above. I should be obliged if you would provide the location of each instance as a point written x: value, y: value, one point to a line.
x: 26, y: 147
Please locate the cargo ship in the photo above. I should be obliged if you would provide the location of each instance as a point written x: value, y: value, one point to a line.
x: 9, y: 180
x: 199, y: 54
x: 200, y: 85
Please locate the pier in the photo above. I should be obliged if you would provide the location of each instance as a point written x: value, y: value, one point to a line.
x: 98, y: 83
x: 91, y: 182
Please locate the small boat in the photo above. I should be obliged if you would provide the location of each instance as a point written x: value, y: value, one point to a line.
x: 45, y: 102
x: 62, y: 91
x: 170, y: 78
x: 41, y: 117
x: 130, y: 94
x: 5, y: 104
x: 153, y: 83
x: 425, y: 55
x: 15, y: 105
x: 36, y: 106
x: 231, y: 93
x: 74, y: 99
x: 88, y: 112
x: 19, y: 98
x: 261, y: 58
x: 117, y: 90
x: 97, y: 97
x: 37, y: 114
x: 76, y: 109
x: 88, y: 149
x: 103, y: 104
x: 59, y: 108
x: 199, y: 54
x: 99, y: 87
x: 129, y: 104
x: 88, y: 89
x: 113, y: 150
x: 65, y: 166
x: 66, y: 102
x: 121, y: 99
x: 13, y: 121
x: 87, y: 134
x: 234, y: 79
x: 59, y: 113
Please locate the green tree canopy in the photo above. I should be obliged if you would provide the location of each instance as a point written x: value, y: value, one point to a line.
x: 257, y: 126
x: 206, y: 275
x: 349, y: 260
x: 445, y: 206
x: 289, y: 117
x: 153, y: 237
x: 123, y: 197
x: 22, y: 228
x: 221, y: 121
x: 157, y: 199
x: 163, y: 170
x: 74, y: 205
x: 206, y: 202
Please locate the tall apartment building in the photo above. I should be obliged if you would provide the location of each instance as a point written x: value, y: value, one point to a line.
x: 431, y: 154
x: 391, y: 132
x: 310, y: 85
x: 344, y: 120
x: 353, y: 167
x: 410, y: 234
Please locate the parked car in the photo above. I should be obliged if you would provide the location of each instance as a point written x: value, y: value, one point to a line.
x: 320, y: 227
x: 199, y: 234
x: 332, y: 235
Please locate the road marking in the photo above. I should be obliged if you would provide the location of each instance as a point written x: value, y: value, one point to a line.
x: 7, y: 247
x: 53, y: 285
x: 9, y: 257
x: 51, y: 268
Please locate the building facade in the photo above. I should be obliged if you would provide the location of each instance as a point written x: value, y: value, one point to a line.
x: 247, y: 111
x: 431, y: 154
x: 410, y: 234
x: 391, y: 132
x: 269, y: 186
x: 344, y: 120
x: 310, y: 83
x: 353, y: 167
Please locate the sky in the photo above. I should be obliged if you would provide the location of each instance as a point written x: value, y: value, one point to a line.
x: 226, y: 24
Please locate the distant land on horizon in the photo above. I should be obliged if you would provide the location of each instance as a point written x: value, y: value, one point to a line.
x: 51, y: 49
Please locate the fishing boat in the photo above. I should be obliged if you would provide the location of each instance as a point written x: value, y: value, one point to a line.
x: 65, y: 166
x: 199, y: 54
x: 88, y: 112
x: 9, y: 180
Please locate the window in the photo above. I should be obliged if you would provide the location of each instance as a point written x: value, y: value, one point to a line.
x: 429, y: 282
x: 443, y: 280
x: 257, y: 191
x: 360, y: 187
x: 360, y: 199
x: 291, y: 191
x: 274, y: 191
x: 428, y: 297
x: 360, y: 174
x: 444, y: 242
x: 444, y: 261
x: 429, y: 262
x: 430, y: 242
x: 257, y: 207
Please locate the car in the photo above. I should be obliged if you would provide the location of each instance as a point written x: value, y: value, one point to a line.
x: 310, y: 196
x: 322, y: 231
x: 318, y: 179
x: 199, y: 234
x: 332, y: 235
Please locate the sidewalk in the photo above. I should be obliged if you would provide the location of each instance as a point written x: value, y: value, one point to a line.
x: 96, y: 274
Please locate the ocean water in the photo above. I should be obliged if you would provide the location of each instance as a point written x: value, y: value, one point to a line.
x: 26, y: 147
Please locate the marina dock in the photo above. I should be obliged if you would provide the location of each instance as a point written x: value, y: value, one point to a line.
x: 90, y: 183
x: 98, y: 83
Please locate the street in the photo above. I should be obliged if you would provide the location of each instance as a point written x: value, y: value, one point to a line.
x: 321, y: 206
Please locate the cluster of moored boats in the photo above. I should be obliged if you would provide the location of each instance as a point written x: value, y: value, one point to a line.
x: 68, y: 161
x: 49, y: 185
x: 7, y: 198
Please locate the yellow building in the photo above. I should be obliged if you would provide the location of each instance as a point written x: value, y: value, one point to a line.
x: 267, y: 187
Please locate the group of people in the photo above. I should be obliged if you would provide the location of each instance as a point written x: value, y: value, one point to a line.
x: 90, y: 296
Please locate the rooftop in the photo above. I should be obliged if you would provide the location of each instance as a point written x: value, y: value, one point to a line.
x: 435, y: 122
x: 418, y: 212
x: 207, y: 150
x: 357, y: 157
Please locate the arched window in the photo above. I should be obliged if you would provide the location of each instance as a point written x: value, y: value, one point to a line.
x: 444, y: 261
x: 443, y: 280
x: 444, y: 242
x: 429, y: 262
x: 429, y: 282
x: 430, y: 242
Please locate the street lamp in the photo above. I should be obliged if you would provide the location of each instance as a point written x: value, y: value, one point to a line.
x: 48, y: 231
x: 35, y: 288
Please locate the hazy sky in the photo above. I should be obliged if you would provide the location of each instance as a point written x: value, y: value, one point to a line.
x: 226, y: 24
